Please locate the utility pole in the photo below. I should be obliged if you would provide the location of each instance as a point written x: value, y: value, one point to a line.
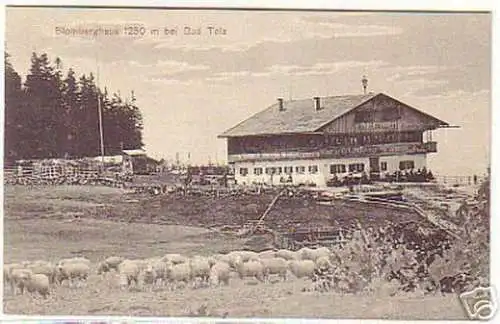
x: 99, y: 108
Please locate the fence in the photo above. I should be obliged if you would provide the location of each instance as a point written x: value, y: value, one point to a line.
x: 459, y: 180
x: 61, y: 172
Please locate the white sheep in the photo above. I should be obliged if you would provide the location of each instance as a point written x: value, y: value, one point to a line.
x: 247, y: 255
x: 302, y: 268
x: 254, y: 269
x: 229, y: 258
x: 322, y: 252
x: 129, y: 270
x: 177, y: 273
x: 36, y: 283
x: 155, y: 271
x: 72, y: 271
x: 212, y: 260
x: 268, y: 254
x: 174, y: 258
x: 287, y: 254
x: 18, y: 277
x: 149, y: 276
x: 313, y: 254
x: 7, y: 273
x: 45, y: 268
x: 108, y: 264
x: 220, y: 272
x: 74, y: 260
x: 200, y: 268
x: 277, y: 266
x: 323, y: 263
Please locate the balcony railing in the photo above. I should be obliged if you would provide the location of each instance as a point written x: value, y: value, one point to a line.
x: 341, y: 152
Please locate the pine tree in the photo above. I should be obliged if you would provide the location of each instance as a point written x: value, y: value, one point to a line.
x: 42, y: 109
x: 56, y: 117
x: 13, y: 105
x: 88, y: 130
x: 71, y: 101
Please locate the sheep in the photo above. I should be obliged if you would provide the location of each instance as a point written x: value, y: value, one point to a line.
x: 150, y: 276
x: 111, y: 262
x: 322, y: 251
x: 200, y: 268
x: 247, y: 255
x: 7, y: 273
x: 220, y: 272
x: 174, y: 258
x: 313, y: 254
x: 156, y: 270
x: 129, y: 271
x: 287, y: 254
x: 74, y: 260
x: 212, y: 260
x: 253, y: 269
x: 230, y: 259
x: 17, y: 278
x: 268, y: 254
x: 302, y: 268
x: 45, y: 268
x: 233, y: 257
x: 180, y: 272
x: 277, y: 266
x: 72, y: 271
x: 36, y: 282
x: 323, y: 263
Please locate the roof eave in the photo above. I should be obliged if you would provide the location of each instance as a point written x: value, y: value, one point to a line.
x: 270, y: 134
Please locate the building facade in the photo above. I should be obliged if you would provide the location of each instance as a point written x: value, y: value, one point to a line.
x: 313, y: 140
x: 137, y: 162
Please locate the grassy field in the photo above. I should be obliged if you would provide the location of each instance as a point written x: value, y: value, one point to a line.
x: 39, y: 223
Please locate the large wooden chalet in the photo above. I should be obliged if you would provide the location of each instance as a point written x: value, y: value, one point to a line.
x: 312, y: 140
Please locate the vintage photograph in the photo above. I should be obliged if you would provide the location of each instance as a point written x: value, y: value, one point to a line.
x: 247, y: 163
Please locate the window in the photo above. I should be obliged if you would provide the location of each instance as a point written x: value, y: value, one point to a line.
x: 300, y: 169
x: 257, y: 171
x: 405, y: 165
x: 289, y: 170
x: 270, y: 170
x: 353, y: 140
x: 278, y: 170
x: 337, y: 168
x: 383, y: 166
x: 356, y: 167
x: 243, y: 171
x: 313, y: 169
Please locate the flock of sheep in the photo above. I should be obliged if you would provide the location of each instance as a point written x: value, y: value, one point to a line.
x: 170, y: 270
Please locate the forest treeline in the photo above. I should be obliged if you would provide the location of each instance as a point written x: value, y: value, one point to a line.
x: 54, y: 114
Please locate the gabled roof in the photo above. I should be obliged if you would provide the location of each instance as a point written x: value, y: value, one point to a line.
x: 300, y: 116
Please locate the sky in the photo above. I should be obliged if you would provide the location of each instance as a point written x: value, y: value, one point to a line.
x: 191, y: 88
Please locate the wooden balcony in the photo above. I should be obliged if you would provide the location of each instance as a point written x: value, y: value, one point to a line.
x: 340, y: 152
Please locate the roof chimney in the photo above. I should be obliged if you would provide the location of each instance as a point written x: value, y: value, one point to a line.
x: 280, y: 104
x: 317, y: 103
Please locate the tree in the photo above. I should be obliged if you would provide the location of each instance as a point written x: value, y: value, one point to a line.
x: 42, y: 109
x: 71, y: 100
x: 52, y: 116
x: 13, y: 120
